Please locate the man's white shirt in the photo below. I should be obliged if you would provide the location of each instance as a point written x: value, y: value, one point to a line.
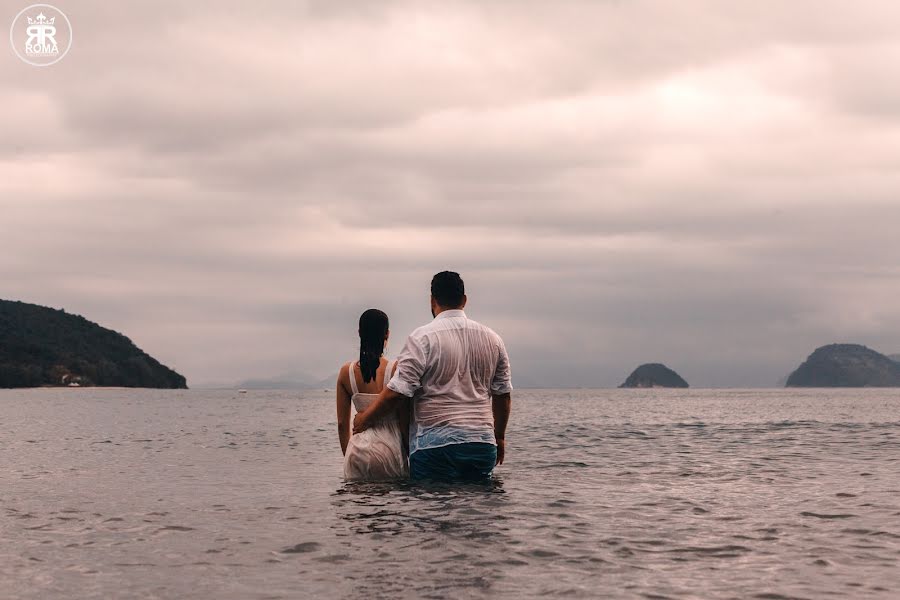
x: 450, y: 368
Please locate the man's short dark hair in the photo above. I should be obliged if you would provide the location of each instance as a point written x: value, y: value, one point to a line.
x: 448, y: 289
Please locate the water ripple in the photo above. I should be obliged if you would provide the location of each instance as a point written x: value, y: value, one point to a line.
x: 769, y: 494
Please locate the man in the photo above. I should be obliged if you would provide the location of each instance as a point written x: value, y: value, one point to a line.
x: 457, y: 373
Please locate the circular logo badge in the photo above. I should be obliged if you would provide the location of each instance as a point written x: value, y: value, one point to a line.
x: 41, y: 35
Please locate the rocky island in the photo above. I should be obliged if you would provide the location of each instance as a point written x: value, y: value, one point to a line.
x: 846, y: 365
x: 41, y: 346
x: 654, y: 375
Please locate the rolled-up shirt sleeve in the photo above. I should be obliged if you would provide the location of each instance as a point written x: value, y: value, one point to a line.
x: 501, y: 383
x: 410, y: 366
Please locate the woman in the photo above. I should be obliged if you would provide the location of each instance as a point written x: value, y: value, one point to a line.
x: 377, y: 453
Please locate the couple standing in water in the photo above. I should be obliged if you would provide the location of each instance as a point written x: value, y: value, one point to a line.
x: 439, y: 412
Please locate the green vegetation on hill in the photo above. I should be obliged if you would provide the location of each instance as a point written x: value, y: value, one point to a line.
x: 44, y: 346
x: 654, y: 375
x: 846, y: 365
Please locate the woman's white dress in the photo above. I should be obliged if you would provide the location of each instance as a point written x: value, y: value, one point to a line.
x: 376, y: 453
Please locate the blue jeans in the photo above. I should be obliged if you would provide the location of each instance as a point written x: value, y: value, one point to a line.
x: 473, y: 461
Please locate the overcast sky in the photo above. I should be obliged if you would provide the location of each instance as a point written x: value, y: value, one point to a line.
x: 713, y: 185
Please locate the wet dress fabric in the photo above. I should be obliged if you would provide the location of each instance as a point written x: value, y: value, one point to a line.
x: 377, y: 453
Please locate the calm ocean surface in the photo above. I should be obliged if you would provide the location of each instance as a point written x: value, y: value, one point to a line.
x: 606, y: 493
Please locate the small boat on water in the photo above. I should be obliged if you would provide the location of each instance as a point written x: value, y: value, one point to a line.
x: 242, y: 391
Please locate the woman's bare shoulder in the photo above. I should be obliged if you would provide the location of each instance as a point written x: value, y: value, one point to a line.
x: 343, y: 377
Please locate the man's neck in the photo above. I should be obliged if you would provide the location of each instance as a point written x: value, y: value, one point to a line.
x: 440, y: 309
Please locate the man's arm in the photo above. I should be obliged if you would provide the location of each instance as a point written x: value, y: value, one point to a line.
x: 386, y: 401
x: 406, y: 380
x: 501, y: 399
x: 501, y: 404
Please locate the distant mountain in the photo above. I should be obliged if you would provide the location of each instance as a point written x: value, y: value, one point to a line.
x: 894, y: 357
x: 654, y: 375
x: 44, y: 346
x: 281, y: 383
x: 295, y: 381
x: 846, y: 365
x: 302, y: 381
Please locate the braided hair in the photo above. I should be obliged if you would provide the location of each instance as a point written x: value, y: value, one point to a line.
x: 373, y: 328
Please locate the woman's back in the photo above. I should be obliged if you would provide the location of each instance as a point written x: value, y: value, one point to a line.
x: 364, y: 393
x: 376, y: 453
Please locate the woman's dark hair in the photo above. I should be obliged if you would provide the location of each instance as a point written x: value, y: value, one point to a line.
x: 448, y: 289
x: 373, y: 327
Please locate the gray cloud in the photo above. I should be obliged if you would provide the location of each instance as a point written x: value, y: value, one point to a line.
x: 710, y: 185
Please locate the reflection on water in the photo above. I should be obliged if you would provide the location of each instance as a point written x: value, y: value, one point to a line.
x: 611, y: 493
x: 447, y: 535
x: 468, y: 510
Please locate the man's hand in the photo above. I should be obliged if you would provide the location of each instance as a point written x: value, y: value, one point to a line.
x: 501, y: 450
x: 360, y: 422
x: 386, y: 401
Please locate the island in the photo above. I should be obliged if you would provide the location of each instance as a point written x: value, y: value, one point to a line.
x: 654, y: 375
x: 846, y: 365
x: 41, y: 346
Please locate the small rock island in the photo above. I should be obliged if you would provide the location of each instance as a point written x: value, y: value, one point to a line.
x: 846, y: 365
x: 41, y: 346
x: 654, y: 375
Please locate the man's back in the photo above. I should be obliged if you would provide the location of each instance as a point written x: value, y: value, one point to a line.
x: 451, y: 367
x: 456, y: 372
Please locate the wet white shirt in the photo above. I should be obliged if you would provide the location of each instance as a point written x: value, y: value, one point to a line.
x: 450, y: 367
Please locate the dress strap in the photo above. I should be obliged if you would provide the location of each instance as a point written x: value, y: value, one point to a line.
x: 387, y: 373
x: 353, y: 387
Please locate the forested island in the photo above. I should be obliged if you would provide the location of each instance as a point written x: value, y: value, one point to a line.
x: 846, y: 365
x: 41, y: 346
x: 652, y: 375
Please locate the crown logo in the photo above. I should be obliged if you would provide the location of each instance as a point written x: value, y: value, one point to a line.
x: 41, y: 20
x: 33, y: 35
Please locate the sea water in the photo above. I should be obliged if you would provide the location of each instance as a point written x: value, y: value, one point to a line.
x: 605, y: 493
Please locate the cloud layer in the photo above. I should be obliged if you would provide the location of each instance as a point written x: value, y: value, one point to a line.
x: 711, y: 185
